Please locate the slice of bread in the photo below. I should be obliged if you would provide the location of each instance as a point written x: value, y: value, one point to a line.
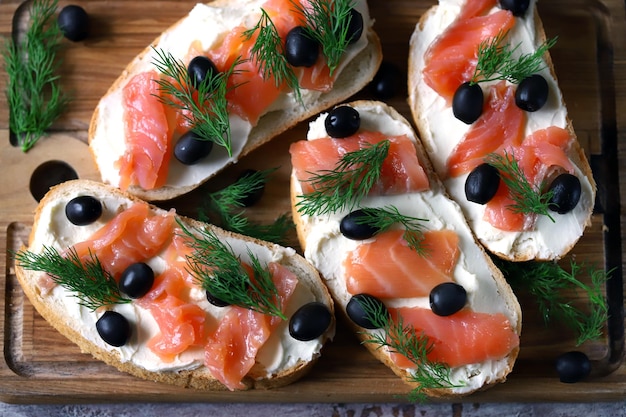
x: 441, y: 132
x: 207, y: 25
x: 280, y: 360
x: 326, y: 247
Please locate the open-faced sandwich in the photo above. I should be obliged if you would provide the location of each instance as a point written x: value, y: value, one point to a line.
x: 397, y: 254
x: 491, y: 116
x: 220, y: 82
x: 170, y: 299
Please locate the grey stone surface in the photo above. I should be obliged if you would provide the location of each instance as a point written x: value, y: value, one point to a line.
x: 617, y: 409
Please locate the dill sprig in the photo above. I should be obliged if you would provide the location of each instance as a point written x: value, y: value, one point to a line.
x: 33, y: 91
x: 347, y: 184
x: 385, y: 217
x: 327, y: 22
x: 405, y: 340
x: 527, y: 198
x: 208, y: 113
x: 227, y: 204
x: 88, y: 280
x: 497, y: 61
x: 219, y: 271
x: 269, y: 54
x: 546, y: 281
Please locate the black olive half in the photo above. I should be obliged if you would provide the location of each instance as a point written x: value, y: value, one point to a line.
x: 352, y: 228
x: 216, y: 301
x: 467, y: 103
x: 73, y: 21
x: 355, y: 28
x: 136, y: 280
x: 517, y: 7
x: 199, y: 69
x: 310, y: 321
x: 532, y: 93
x: 447, y: 298
x: 113, y: 328
x: 301, y: 50
x: 566, y: 191
x: 190, y: 149
x: 482, y: 184
x: 342, y: 121
x: 359, y: 314
x: 386, y: 82
x: 573, y: 367
x: 83, y: 210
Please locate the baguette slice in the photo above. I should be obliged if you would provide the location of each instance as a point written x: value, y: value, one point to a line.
x: 280, y: 360
x: 441, y: 132
x: 327, y: 249
x: 207, y: 25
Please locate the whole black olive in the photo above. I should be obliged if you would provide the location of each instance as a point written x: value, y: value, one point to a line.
x: 447, y: 298
x: 352, y: 228
x: 190, y: 149
x: 355, y: 28
x: 573, y: 367
x: 199, y: 69
x: 73, y: 21
x: 136, y: 280
x: 467, y: 103
x: 359, y: 314
x: 342, y: 121
x: 83, y: 210
x: 310, y: 321
x: 532, y: 93
x: 113, y: 328
x: 482, y: 184
x: 216, y: 301
x: 301, y: 50
x: 517, y: 7
x: 254, y: 194
x: 566, y: 191
x: 386, y: 82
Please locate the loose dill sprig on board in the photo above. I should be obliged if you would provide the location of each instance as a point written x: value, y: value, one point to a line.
x: 33, y: 90
x: 384, y: 218
x: 227, y: 204
x: 497, y: 61
x: 205, y: 109
x: 546, y: 281
x: 269, y: 53
x: 527, y: 198
x: 328, y: 23
x: 219, y: 271
x: 404, y: 340
x: 347, y: 184
x: 88, y: 280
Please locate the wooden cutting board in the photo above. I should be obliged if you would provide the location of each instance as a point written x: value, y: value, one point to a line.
x: 39, y: 365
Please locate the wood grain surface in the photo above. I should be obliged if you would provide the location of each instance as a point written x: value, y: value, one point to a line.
x: 40, y: 366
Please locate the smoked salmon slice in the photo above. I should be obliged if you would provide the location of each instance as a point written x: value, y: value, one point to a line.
x: 401, y: 170
x: 463, y: 338
x: 388, y: 268
x: 451, y: 59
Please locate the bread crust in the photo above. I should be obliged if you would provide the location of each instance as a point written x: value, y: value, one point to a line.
x: 351, y: 80
x: 575, y: 152
x: 199, y: 378
x: 503, y: 289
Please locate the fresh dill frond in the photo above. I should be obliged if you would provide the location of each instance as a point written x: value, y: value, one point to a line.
x: 205, y: 109
x: 385, y: 217
x: 217, y: 269
x: 88, y: 280
x: 33, y: 90
x: 526, y: 197
x: 405, y: 340
x: 347, y: 184
x: 275, y: 232
x: 328, y: 23
x: 269, y: 54
x: 547, y: 281
x: 498, y: 62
